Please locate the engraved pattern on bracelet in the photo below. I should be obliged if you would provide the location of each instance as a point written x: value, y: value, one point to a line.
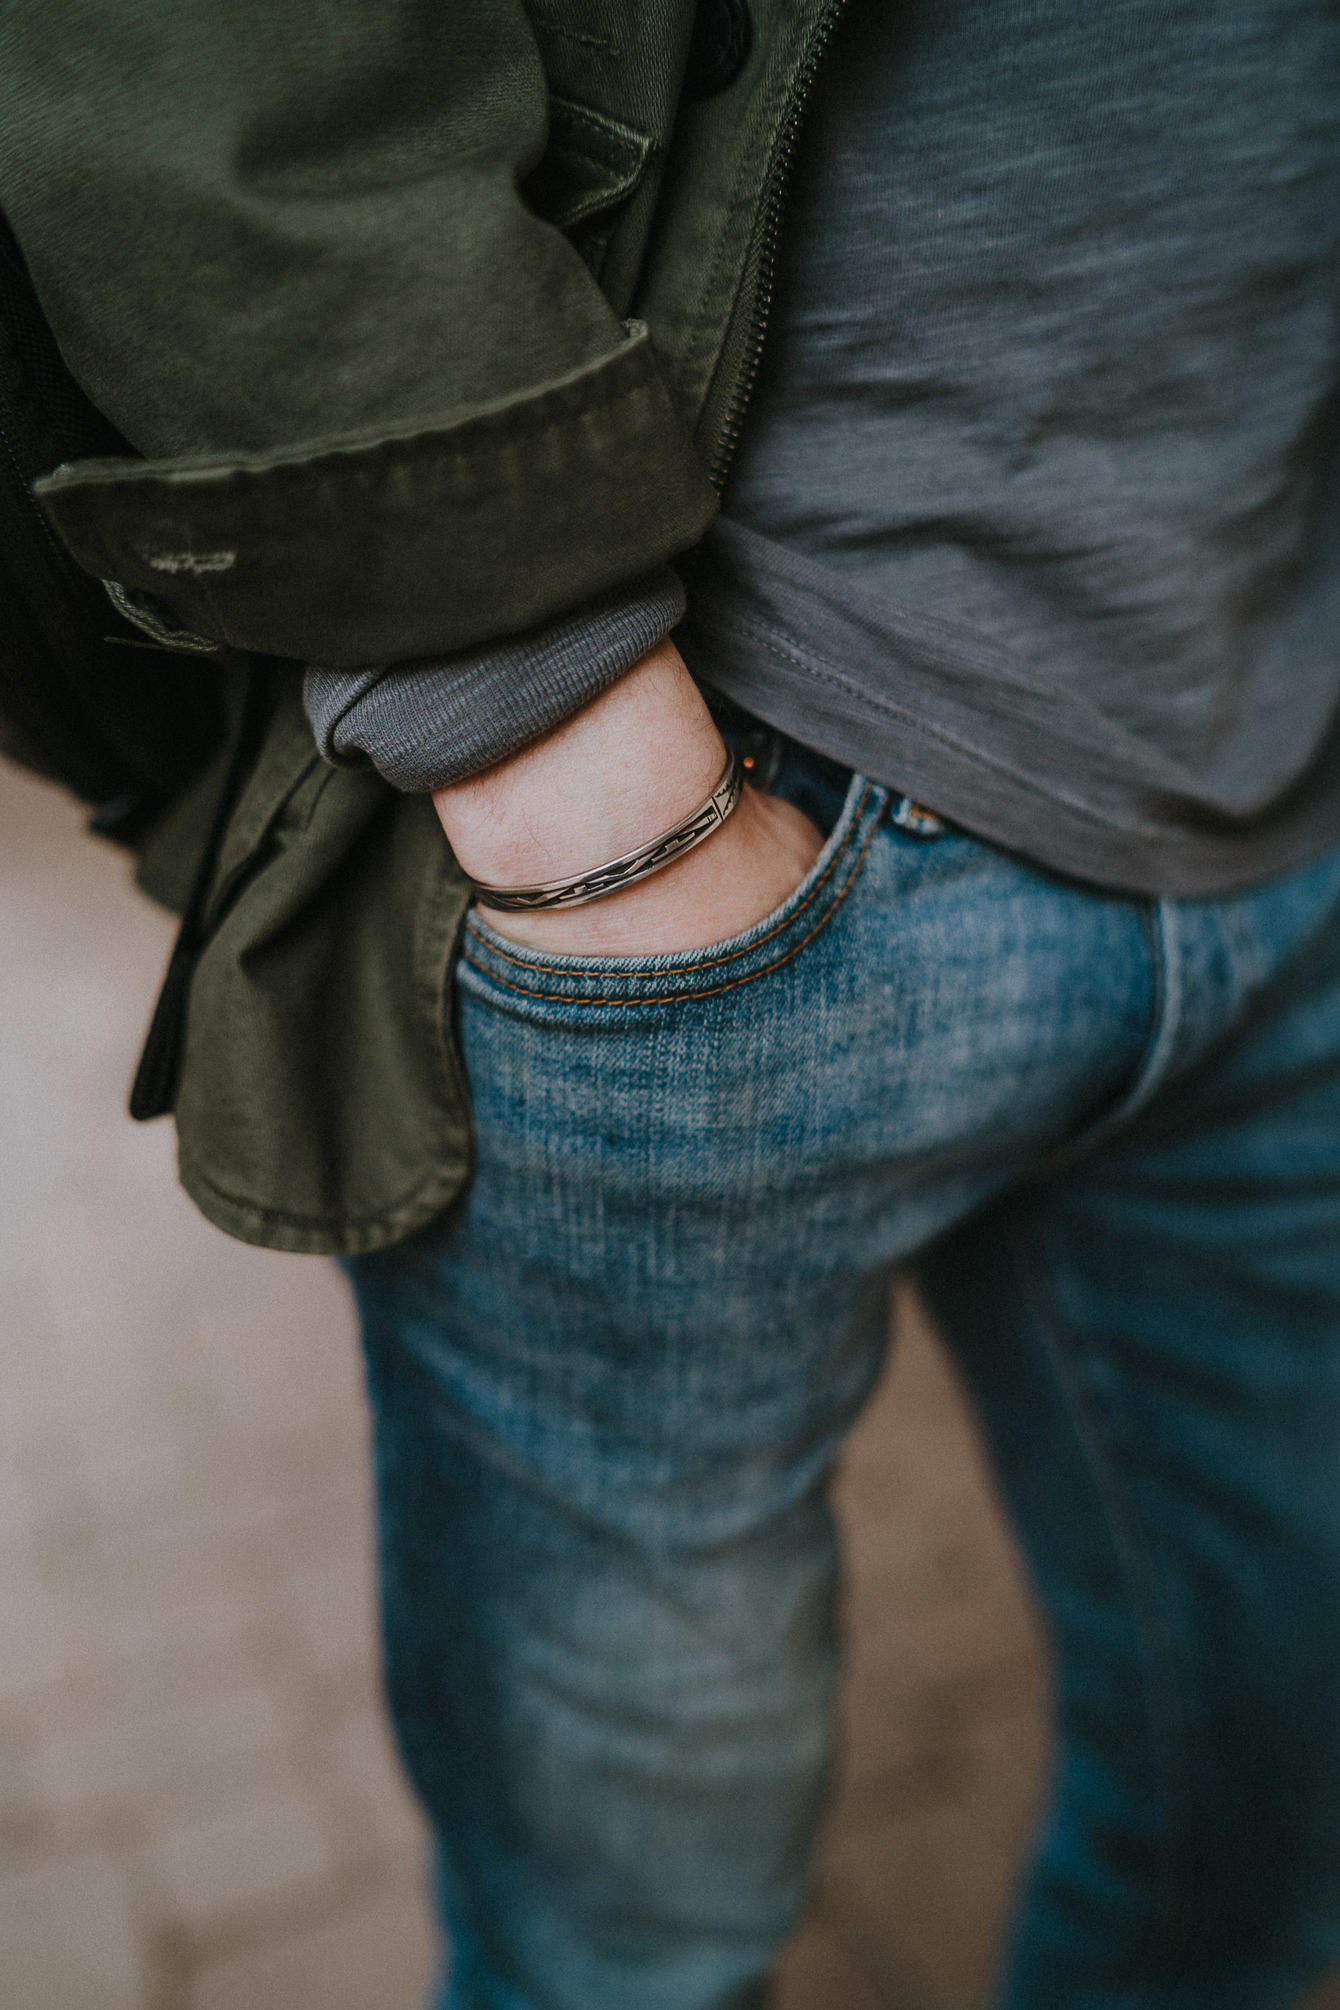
x: 633, y: 865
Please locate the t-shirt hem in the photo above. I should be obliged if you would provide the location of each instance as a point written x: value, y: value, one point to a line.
x: 966, y: 786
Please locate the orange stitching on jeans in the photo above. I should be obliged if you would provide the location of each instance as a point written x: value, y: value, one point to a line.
x: 682, y: 969
x: 683, y: 997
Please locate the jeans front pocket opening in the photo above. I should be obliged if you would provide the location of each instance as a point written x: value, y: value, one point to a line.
x: 719, y: 966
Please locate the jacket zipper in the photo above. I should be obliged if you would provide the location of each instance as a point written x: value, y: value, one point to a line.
x: 771, y: 208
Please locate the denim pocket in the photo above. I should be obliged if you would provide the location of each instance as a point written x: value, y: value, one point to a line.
x: 566, y: 985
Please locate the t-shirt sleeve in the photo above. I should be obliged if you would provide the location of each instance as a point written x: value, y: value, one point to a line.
x: 438, y: 720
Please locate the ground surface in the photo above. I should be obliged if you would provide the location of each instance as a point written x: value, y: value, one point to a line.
x: 198, y: 1805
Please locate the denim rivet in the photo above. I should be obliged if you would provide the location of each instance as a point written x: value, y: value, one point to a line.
x: 912, y: 816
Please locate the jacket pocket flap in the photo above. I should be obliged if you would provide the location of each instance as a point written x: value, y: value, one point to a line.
x: 591, y: 162
x: 321, y: 1106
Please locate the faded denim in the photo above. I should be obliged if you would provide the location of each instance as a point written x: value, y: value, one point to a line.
x: 609, y: 1389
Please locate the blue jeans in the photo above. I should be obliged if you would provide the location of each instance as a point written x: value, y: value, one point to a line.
x: 609, y: 1388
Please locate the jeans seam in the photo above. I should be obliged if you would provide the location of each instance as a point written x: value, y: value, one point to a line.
x: 1165, y: 1025
x: 683, y: 969
x: 1155, y: 1647
x: 685, y: 997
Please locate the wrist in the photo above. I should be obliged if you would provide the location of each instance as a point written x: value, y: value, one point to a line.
x: 757, y: 857
x: 614, y: 876
x: 630, y: 764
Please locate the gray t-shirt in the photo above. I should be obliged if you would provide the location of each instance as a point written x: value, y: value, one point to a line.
x: 1036, y: 514
x: 1037, y: 509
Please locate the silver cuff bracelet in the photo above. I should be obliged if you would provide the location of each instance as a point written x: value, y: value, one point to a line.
x: 640, y: 864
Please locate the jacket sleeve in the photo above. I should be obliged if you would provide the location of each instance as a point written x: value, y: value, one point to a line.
x: 385, y: 410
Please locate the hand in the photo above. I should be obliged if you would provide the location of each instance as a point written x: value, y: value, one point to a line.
x: 631, y: 764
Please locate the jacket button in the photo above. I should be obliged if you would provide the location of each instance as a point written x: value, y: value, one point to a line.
x: 723, y: 35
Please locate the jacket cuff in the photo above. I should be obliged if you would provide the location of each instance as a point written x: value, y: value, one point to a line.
x: 369, y: 549
x: 424, y: 725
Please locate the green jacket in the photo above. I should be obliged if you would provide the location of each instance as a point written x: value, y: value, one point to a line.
x: 433, y: 319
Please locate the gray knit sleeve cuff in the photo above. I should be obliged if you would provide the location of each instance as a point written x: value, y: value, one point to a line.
x: 438, y: 720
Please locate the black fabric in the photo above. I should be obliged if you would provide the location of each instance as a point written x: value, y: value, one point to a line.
x: 723, y: 34
x: 85, y: 699
x: 153, y: 1092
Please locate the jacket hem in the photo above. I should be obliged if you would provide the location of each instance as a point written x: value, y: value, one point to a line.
x: 336, y: 1234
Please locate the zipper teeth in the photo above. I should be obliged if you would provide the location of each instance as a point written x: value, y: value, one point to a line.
x: 779, y: 173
